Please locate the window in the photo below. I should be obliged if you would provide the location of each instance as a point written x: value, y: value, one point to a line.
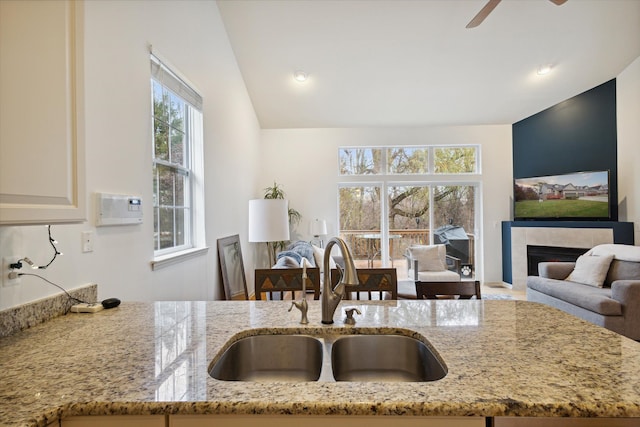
x: 393, y: 197
x: 177, y: 158
x: 360, y: 161
x: 409, y: 160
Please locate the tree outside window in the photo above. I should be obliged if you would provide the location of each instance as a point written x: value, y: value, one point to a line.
x: 418, y: 211
x: 176, y: 129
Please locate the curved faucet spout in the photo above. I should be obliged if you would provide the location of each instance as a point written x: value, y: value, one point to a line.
x: 331, y: 296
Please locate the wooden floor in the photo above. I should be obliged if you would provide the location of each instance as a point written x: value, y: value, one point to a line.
x: 502, y: 289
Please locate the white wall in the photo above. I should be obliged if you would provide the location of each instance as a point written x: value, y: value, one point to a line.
x: 628, y: 110
x: 191, y: 36
x: 305, y: 162
x: 240, y: 159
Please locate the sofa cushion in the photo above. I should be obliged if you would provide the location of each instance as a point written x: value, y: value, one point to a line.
x: 430, y: 257
x: 438, y: 276
x: 622, y: 270
x: 590, y: 298
x: 590, y: 270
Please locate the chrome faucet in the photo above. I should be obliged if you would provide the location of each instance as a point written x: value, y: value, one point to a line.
x: 331, y: 296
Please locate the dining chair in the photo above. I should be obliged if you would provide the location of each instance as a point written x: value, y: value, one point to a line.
x: 375, y: 283
x: 283, y: 283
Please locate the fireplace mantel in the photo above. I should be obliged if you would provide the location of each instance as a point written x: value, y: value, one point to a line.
x: 516, y: 235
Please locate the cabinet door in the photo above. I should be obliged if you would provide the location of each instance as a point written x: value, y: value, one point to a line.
x: 116, y: 421
x: 41, y: 111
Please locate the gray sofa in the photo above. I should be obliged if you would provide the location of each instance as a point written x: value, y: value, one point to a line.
x: 615, y: 306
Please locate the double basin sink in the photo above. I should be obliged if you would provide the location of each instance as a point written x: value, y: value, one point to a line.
x: 327, y: 357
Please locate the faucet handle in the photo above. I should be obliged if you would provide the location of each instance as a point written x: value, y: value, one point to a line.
x: 349, y: 320
x: 303, y: 307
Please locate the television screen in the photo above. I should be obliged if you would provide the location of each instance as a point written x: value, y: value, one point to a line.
x: 573, y: 196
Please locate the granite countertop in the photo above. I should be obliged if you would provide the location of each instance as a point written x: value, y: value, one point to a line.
x: 503, y: 358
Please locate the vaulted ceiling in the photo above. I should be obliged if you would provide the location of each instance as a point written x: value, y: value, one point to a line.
x: 413, y: 63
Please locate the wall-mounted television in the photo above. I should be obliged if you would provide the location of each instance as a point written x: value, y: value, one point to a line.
x: 571, y: 196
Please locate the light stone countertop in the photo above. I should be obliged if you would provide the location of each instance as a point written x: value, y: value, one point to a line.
x: 503, y: 358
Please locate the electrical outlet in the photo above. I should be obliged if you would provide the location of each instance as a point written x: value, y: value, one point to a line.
x: 6, y: 261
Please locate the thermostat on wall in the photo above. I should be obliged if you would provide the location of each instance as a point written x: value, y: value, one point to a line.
x: 118, y: 209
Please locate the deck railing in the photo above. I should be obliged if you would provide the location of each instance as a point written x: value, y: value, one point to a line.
x: 363, y: 249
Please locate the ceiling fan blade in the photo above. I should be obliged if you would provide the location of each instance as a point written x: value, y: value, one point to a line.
x: 558, y: 2
x: 484, y: 12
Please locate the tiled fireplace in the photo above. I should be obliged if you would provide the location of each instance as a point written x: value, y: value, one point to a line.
x: 517, y: 235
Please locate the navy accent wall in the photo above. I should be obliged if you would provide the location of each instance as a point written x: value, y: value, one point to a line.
x: 576, y: 135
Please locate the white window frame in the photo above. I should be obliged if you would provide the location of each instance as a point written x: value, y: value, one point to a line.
x: 430, y: 179
x: 194, y: 241
x: 430, y: 166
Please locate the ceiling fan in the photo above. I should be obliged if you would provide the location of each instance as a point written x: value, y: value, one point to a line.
x: 488, y: 8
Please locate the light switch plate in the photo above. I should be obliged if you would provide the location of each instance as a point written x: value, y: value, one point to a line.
x: 87, y: 241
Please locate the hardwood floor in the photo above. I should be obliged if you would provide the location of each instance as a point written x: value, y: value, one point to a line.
x: 499, y: 288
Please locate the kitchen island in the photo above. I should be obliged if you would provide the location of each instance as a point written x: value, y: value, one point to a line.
x: 504, y: 358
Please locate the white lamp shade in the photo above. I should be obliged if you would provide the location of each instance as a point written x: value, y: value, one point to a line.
x: 318, y: 227
x: 268, y: 220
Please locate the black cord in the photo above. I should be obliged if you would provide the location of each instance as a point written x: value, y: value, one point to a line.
x: 18, y: 264
x: 52, y: 242
x: 71, y: 298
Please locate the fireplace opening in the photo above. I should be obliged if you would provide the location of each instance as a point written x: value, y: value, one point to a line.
x: 537, y: 254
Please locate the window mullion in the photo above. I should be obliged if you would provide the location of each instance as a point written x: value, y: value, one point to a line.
x: 384, y: 221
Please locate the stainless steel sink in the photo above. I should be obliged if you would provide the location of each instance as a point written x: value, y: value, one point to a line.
x: 390, y: 358
x: 271, y: 358
x: 370, y: 357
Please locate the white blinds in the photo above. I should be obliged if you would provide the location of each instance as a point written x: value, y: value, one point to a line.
x: 174, y: 83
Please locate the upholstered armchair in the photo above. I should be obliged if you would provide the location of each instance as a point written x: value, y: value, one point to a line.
x: 430, y: 263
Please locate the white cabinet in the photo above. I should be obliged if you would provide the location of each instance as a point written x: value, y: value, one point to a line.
x: 41, y: 112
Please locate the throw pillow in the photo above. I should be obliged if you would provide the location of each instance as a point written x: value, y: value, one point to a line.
x: 590, y: 270
x: 430, y: 258
x: 318, y: 254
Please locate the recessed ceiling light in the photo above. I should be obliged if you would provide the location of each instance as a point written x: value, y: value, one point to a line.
x: 300, y: 76
x: 544, y: 69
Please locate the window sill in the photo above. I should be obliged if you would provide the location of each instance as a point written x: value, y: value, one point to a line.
x: 174, y: 258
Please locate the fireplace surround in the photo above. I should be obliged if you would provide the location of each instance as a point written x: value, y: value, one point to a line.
x: 517, y: 235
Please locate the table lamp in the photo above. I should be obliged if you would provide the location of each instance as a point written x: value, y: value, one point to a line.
x: 319, y: 228
x: 269, y: 223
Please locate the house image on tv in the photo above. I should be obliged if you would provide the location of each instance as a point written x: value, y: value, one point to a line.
x: 570, y: 191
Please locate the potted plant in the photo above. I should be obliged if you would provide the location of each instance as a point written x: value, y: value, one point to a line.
x: 276, y: 192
